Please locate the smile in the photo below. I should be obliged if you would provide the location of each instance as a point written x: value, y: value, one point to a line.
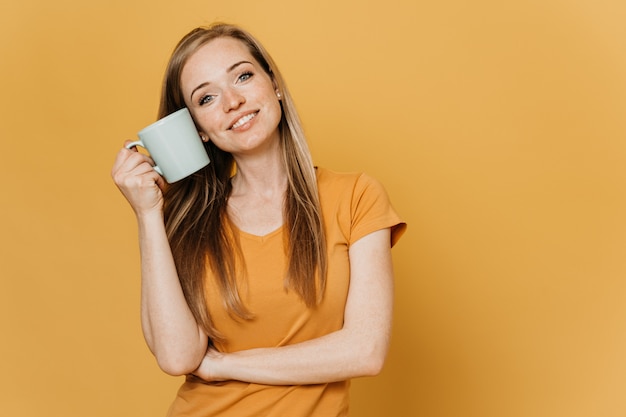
x: 245, y: 119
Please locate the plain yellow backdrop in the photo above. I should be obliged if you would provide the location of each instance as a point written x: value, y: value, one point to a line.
x: 497, y: 127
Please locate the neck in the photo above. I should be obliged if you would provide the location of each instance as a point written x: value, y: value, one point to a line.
x: 264, y: 175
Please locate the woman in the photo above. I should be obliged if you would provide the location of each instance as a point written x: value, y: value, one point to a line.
x: 265, y: 280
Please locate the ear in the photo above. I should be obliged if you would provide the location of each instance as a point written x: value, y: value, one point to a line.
x: 275, y: 85
x: 204, y: 137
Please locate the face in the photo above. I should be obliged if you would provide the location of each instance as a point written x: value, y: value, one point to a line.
x: 232, y: 99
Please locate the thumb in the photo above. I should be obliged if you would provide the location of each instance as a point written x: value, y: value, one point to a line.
x: 160, y: 182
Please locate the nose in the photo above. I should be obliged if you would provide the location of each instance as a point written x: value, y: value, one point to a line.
x: 232, y: 99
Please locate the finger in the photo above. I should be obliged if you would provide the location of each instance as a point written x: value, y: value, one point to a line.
x: 134, y: 158
x: 143, y: 168
x: 142, y: 176
x: 123, y: 154
x: 146, y: 168
x: 120, y: 160
x: 160, y: 182
x: 127, y: 160
x: 135, y: 153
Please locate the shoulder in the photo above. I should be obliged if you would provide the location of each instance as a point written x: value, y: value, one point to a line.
x: 330, y: 181
x: 358, y: 202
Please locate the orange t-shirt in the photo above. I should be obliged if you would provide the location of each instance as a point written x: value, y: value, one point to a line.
x: 353, y: 205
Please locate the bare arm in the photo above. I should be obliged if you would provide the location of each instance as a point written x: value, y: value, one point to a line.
x: 358, y: 349
x: 169, y: 327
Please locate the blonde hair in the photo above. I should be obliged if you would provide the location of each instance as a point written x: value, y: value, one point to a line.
x: 197, y: 225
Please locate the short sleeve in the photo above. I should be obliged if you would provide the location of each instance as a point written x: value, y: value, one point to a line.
x: 371, y: 210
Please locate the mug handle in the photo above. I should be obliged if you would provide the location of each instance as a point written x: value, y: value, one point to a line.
x: 139, y: 143
x: 135, y: 143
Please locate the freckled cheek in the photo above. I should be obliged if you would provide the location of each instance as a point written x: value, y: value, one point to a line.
x: 207, y: 125
x: 279, y: 111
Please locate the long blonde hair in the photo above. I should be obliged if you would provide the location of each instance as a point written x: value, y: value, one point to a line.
x: 197, y: 225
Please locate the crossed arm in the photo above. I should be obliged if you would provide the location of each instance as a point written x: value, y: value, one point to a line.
x: 358, y: 349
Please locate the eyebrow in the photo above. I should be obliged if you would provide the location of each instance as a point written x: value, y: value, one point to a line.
x: 230, y: 69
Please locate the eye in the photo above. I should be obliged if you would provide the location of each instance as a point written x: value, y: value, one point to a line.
x: 205, y: 99
x: 245, y: 76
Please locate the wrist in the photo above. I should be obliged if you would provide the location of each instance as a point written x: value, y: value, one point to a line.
x: 212, y: 367
x: 149, y: 218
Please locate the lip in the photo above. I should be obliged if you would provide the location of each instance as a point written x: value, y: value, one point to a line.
x: 239, y: 117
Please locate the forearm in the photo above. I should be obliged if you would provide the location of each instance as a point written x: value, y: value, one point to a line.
x: 335, y: 357
x: 169, y: 327
x: 358, y: 349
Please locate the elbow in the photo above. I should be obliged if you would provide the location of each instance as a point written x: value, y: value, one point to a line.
x: 372, y: 361
x: 177, y: 359
x: 370, y: 354
x: 177, y: 365
x: 373, y: 364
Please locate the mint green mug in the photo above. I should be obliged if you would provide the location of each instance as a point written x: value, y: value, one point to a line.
x: 175, y: 146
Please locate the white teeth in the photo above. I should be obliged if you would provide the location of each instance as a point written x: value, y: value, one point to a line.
x: 243, y: 120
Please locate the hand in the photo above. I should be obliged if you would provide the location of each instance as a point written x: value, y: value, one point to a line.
x: 141, y: 185
x: 208, y: 366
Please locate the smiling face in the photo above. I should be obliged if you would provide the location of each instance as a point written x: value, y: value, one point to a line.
x: 232, y: 99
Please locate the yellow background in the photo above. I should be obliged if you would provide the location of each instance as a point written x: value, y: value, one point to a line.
x: 497, y: 126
